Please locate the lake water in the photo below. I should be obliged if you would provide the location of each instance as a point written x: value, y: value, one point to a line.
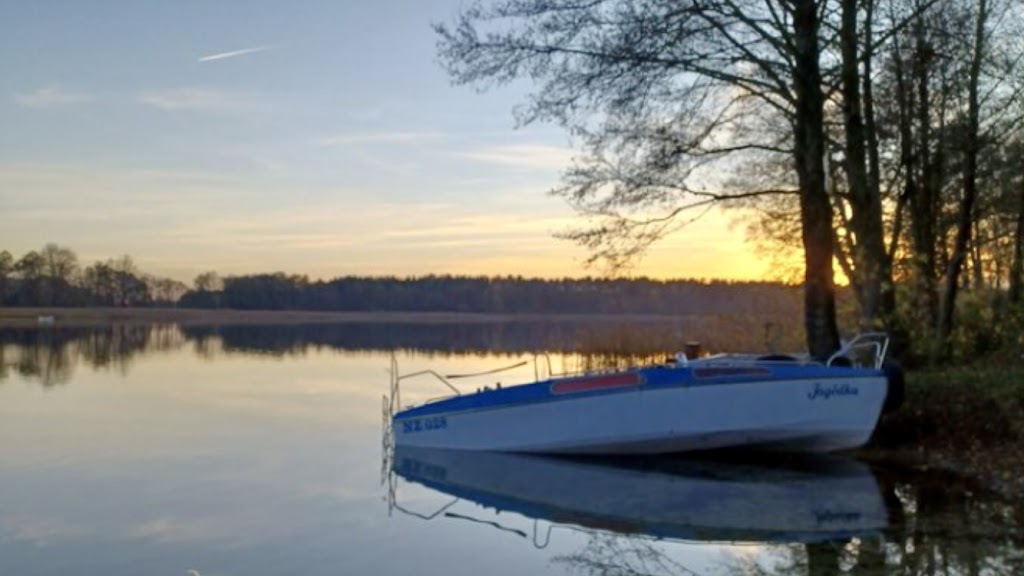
x: 258, y: 450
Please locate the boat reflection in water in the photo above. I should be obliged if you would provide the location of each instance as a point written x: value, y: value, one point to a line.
x: 819, y: 499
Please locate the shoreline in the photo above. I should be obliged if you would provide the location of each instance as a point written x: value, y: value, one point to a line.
x: 23, y: 317
x: 966, y: 420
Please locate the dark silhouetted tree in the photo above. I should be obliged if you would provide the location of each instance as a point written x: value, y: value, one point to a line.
x: 664, y: 95
x: 6, y: 270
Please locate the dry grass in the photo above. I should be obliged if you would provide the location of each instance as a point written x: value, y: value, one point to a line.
x: 79, y: 317
x: 194, y: 317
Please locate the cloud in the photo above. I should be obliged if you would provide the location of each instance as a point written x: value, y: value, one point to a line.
x: 379, y: 138
x: 50, y: 97
x: 182, y: 530
x: 523, y: 156
x: 233, y: 53
x: 195, y: 98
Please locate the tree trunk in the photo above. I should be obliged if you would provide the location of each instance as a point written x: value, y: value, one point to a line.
x: 869, y: 254
x: 925, y: 209
x: 815, y: 208
x: 919, y: 222
x: 888, y: 289
x: 977, y: 262
x: 920, y: 180
x: 965, y: 217
x: 1017, y: 267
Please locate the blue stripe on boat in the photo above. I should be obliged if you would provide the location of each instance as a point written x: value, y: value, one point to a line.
x: 653, y: 378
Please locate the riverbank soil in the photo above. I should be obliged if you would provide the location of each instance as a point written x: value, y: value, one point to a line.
x: 967, y: 419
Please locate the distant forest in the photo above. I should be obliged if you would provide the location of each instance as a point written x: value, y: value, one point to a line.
x: 53, y: 277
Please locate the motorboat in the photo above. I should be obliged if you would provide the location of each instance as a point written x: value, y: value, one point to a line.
x: 774, y: 402
x: 814, y: 498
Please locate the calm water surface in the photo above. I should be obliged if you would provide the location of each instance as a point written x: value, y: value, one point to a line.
x: 258, y: 450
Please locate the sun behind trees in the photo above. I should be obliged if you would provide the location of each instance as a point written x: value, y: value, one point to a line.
x: 52, y: 277
x: 879, y: 132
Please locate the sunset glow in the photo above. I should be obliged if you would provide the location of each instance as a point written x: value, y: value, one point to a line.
x: 274, y: 144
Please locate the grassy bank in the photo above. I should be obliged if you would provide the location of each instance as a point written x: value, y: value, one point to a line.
x: 969, y: 419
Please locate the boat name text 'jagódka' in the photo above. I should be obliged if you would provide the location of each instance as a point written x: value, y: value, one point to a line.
x: 826, y: 392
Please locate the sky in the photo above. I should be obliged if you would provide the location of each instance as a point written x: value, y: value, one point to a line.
x: 319, y: 137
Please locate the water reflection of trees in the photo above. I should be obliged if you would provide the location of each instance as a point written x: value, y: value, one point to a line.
x: 509, y: 338
x: 607, y: 336
x: 51, y: 355
x: 951, y: 527
x: 789, y: 517
x: 940, y: 526
x: 608, y: 554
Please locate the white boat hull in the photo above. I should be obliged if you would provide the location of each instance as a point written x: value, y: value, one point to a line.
x: 807, y: 415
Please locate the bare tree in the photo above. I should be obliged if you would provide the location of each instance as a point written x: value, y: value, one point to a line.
x: 60, y: 267
x: 99, y: 280
x: 6, y: 269
x: 664, y: 95
x: 208, y: 282
x: 30, y: 269
x: 1016, y: 184
x: 129, y: 287
x: 164, y: 291
x: 871, y: 267
x: 986, y: 101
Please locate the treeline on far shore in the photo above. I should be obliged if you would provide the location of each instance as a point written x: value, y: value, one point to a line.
x: 53, y: 276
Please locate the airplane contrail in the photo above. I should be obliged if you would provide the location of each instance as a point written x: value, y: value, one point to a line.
x: 233, y: 53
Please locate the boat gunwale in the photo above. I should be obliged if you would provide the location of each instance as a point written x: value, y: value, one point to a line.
x: 536, y: 393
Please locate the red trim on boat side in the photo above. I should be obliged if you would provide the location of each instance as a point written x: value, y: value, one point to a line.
x: 590, y: 383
